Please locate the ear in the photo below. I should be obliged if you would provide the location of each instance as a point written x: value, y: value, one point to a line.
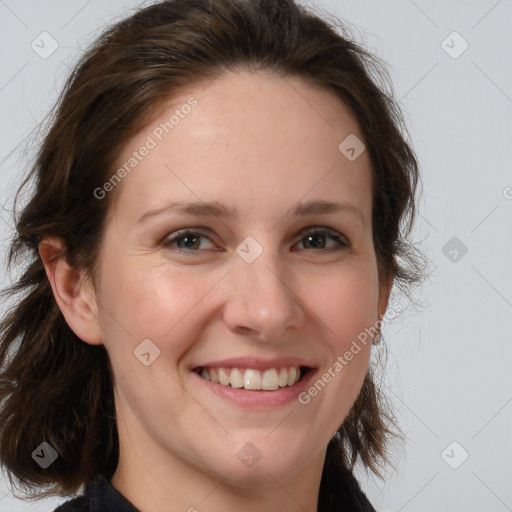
x: 384, y: 291
x: 73, y: 291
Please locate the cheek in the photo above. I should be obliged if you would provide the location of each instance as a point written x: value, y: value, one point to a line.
x: 346, y: 303
x: 158, y: 303
x: 348, y: 307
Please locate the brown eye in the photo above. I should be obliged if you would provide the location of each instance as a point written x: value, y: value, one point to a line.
x: 316, y: 240
x: 185, y: 241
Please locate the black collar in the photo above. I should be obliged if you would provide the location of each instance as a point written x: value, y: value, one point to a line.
x: 100, y: 496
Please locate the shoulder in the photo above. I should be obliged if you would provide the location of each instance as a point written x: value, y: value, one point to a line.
x: 82, y: 503
x: 99, y: 496
x: 361, y: 502
x: 340, y: 489
x: 79, y: 504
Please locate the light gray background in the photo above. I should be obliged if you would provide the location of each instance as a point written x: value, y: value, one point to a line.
x: 449, y: 364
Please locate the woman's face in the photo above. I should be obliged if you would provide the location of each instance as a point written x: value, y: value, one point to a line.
x: 247, y: 286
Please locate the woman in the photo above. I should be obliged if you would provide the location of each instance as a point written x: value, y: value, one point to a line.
x: 221, y: 204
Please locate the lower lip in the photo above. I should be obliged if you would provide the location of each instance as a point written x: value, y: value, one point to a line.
x: 251, y: 399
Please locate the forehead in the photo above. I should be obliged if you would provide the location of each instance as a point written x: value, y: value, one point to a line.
x: 246, y: 138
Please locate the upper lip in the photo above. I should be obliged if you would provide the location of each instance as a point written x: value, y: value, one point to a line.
x: 255, y: 363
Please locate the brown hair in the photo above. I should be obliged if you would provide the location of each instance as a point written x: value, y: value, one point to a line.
x: 56, y: 388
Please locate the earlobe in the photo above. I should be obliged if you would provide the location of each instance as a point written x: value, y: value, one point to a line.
x: 72, y: 291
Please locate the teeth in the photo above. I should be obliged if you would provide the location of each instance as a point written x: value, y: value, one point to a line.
x: 223, y: 377
x: 268, y: 380
x: 283, y: 378
x: 252, y: 379
x: 292, y: 375
x: 236, y: 378
x: 214, y: 375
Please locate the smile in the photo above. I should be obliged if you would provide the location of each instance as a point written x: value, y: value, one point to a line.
x: 270, y: 379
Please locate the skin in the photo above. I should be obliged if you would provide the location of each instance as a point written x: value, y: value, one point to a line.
x: 257, y: 143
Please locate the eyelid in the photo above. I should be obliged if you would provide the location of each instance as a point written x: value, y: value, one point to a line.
x: 340, y: 239
x: 169, y: 238
x: 323, y: 230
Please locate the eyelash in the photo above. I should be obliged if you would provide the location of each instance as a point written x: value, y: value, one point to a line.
x: 341, y: 241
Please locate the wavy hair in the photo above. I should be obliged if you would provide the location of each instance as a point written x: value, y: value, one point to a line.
x: 56, y: 388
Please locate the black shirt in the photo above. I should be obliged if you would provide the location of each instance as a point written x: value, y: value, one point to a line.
x: 101, y: 496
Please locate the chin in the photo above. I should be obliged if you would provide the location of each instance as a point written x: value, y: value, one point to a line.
x: 263, y: 461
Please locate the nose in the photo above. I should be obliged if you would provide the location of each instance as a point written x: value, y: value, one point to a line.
x: 261, y: 301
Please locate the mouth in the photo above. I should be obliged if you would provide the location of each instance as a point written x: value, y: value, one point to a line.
x: 253, y: 379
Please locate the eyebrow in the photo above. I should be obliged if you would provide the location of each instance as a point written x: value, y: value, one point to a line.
x: 216, y: 209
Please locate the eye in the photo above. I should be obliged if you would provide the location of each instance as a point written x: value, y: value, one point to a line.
x: 317, y: 237
x: 190, y: 241
x: 186, y: 240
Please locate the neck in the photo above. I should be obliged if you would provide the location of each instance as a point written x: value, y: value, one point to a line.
x: 156, y: 481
